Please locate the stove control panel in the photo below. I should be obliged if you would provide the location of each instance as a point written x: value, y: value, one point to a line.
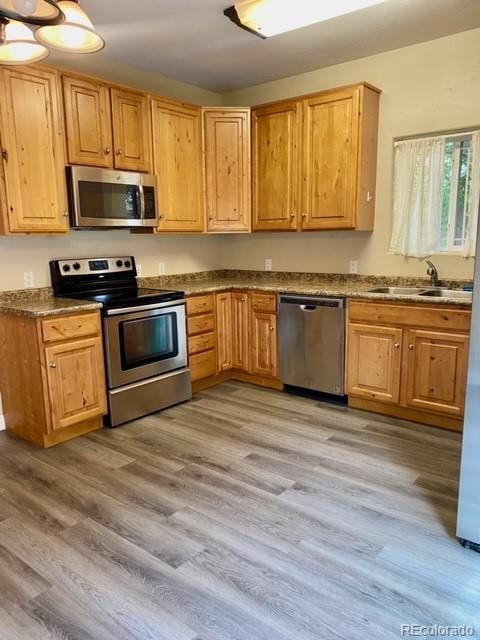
x: 92, y: 266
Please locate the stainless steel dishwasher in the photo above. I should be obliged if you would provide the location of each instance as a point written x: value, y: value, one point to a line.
x: 312, y: 343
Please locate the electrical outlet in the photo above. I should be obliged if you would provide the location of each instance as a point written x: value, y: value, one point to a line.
x: 161, y: 268
x: 353, y: 266
x: 268, y: 264
x: 139, y: 270
x: 28, y: 279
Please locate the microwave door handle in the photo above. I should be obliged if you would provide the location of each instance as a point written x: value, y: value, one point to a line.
x: 141, y: 200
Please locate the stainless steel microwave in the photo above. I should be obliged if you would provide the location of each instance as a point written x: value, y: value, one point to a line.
x: 105, y: 198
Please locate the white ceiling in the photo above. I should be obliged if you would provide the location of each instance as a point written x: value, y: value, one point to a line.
x: 192, y: 41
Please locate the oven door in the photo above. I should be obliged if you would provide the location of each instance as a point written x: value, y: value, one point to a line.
x: 105, y: 198
x: 143, y: 342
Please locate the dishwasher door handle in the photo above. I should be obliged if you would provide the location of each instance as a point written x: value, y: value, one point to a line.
x: 308, y: 307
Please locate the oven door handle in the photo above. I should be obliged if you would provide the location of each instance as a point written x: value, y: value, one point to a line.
x: 146, y: 307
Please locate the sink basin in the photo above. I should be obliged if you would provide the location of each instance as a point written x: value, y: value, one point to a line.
x: 447, y: 293
x: 398, y: 291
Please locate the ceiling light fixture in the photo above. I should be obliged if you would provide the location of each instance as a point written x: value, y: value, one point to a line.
x: 267, y: 18
x: 59, y: 24
x: 75, y: 34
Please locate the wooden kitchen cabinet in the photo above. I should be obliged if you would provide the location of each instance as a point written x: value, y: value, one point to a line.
x: 276, y: 131
x: 223, y: 303
x: 202, y: 336
x: 240, y: 330
x: 132, y: 131
x: 409, y: 361
x: 178, y: 162
x: 227, y: 169
x: 436, y: 366
x: 264, y: 332
x: 55, y: 388
x: 88, y: 121
x: 374, y: 362
x: 33, y: 158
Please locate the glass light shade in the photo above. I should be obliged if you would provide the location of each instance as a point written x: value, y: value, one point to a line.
x: 76, y: 34
x: 20, y: 46
x: 25, y: 7
x: 271, y: 17
x: 32, y: 11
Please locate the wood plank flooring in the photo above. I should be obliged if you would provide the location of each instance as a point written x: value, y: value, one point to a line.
x: 246, y: 514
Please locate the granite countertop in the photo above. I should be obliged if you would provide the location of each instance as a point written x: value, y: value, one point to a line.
x: 41, y: 303
x: 42, y: 307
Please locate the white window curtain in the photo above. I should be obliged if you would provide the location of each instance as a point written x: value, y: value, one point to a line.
x: 417, y: 204
x: 473, y: 198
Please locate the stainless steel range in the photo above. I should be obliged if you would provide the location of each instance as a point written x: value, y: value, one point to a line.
x: 144, y: 331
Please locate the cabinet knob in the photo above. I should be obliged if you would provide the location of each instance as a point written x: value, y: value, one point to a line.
x: 304, y: 215
x: 293, y: 215
x: 65, y: 214
x: 5, y: 155
x: 107, y: 150
x: 411, y: 347
x: 53, y: 365
x: 119, y: 152
x: 272, y: 328
x: 397, y: 345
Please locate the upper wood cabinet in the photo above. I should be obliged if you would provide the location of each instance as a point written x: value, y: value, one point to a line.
x: 178, y: 162
x: 339, y: 159
x: 132, y: 132
x: 107, y: 127
x: 227, y: 169
x: 314, y: 161
x: 88, y: 122
x: 32, y: 152
x: 276, y: 131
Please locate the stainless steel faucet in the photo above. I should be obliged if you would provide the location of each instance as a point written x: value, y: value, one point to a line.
x: 433, y: 273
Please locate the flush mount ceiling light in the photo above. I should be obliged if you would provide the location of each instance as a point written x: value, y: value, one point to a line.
x: 60, y: 24
x: 267, y: 18
x: 75, y: 34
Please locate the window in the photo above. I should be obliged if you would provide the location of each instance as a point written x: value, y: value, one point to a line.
x: 457, y: 179
x: 436, y: 195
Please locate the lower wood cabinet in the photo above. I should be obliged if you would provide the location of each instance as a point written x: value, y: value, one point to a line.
x: 55, y: 389
x: 224, y: 331
x: 240, y: 330
x: 264, y: 335
x: 202, y: 336
x: 409, y: 361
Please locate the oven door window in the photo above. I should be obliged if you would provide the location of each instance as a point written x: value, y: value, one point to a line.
x: 107, y: 200
x: 148, y: 340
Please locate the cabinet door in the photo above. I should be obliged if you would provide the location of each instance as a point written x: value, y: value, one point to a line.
x: 224, y: 331
x: 178, y: 160
x: 132, y: 131
x: 33, y: 151
x: 436, y: 371
x: 88, y: 122
x: 227, y: 169
x: 264, y: 344
x: 276, y: 180
x: 374, y: 362
x: 330, y: 160
x: 240, y: 330
x: 76, y: 381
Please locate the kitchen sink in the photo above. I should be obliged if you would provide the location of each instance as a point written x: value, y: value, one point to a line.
x: 447, y: 293
x: 398, y: 291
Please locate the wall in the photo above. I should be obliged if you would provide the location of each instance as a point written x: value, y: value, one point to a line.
x: 179, y: 253
x: 427, y: 87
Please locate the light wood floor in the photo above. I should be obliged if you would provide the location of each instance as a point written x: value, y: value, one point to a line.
x: 246, y: 514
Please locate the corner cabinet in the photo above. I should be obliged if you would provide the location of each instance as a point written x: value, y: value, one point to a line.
x: 178, y: 165
x: 227, y: 169
x: 317, y: 155
x: 55, y: 389
x: 33, y: 158
x: 409, y: 361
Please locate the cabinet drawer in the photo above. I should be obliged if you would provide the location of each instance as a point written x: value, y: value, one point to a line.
x: 68, y: 327
x: 264, y: 302
x: 200, y: 324
x: 199, y: 304
x: 203, y: 365
x: 200, y: 343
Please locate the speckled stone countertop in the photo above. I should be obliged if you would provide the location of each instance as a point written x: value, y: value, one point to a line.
x: 342, y: 285
x: 41, y: 303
